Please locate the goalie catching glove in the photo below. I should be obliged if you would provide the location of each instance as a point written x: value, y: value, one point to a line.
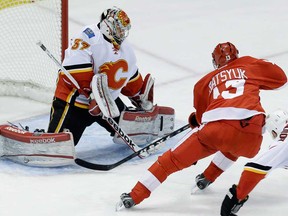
x: 144, y: 99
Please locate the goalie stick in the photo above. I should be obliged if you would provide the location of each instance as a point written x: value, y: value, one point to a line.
x: 71, y: 78
x: 106, y: 167
x: 125, y: 137
x: 108, y: 119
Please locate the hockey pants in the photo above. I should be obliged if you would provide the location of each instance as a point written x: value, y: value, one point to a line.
x: 238, y: 138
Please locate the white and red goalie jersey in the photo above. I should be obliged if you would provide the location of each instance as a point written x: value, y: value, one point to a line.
x: 89, y: 53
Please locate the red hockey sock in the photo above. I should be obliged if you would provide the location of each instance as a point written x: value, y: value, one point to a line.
x: 212, y: 172
x: 139, y: 193
x: 247, y: 183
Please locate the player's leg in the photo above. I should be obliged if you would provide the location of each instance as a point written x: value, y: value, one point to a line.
x: 219, y: 164
x: 187, y: 152
x: 64, y: 116
x: 238, y: 139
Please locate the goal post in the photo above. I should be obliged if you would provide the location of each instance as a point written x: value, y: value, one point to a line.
x: 24, y: 70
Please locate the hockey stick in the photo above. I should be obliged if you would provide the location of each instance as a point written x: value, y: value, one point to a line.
x: 106, y: 167
x: 125, y: 137
x: 71, y: 78
x: 109, y: 120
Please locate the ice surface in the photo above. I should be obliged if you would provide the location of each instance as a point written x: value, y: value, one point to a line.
x: 173, y: 40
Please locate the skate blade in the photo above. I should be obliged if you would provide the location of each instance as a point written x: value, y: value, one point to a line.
x: 119, y: 206
x: 194, y: 189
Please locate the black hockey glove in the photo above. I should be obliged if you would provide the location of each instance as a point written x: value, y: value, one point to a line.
x: 193, y: 121
x: 231, y: 205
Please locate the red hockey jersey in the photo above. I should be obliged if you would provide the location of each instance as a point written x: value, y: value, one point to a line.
x: 232, y: 91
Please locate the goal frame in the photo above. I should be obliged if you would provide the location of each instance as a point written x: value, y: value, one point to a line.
x: 35, y: 87
x: 65, y: 27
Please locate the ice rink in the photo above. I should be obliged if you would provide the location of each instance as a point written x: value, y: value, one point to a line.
x: 173, y: 40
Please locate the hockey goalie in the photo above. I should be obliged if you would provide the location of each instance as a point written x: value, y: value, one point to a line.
x: 99, y: 66
x: 139, y: 125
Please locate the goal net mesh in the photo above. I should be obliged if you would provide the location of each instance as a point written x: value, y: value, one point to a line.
x: 25, y: 70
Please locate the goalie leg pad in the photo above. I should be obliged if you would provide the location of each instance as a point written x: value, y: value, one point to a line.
x: 36, y: 149
x: 143, y: 127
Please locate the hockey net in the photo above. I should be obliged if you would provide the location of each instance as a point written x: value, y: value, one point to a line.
x: 24, y: 70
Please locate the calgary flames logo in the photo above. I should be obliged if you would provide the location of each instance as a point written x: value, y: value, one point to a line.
x: 113, y: 70
x: 123, y: 18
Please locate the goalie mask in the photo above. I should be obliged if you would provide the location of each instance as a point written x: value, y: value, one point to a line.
x: 115, y: 25
x: 275, y: 122
x: 223, y: 54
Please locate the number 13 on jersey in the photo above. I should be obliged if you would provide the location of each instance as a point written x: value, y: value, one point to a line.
x: 233, y: 88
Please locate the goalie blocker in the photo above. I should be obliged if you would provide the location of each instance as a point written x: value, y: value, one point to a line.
x: 36, y: 149
x: 145, y: 126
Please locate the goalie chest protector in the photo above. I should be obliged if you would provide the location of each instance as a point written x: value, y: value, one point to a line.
x: 145, y: 126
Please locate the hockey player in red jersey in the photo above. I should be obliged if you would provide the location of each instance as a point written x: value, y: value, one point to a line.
x: 228, y: 114
x: 98, y: 49
x: 275, y: 157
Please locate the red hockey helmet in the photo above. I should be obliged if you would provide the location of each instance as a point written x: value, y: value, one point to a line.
x: 223, y: 54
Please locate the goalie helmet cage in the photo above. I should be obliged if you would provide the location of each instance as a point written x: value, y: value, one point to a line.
x: 24, y: 70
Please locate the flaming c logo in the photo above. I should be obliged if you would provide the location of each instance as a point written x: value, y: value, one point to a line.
x: 124, y: 19
x: 111, y: 69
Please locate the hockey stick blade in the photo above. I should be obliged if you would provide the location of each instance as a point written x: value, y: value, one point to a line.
x: 106, y: 167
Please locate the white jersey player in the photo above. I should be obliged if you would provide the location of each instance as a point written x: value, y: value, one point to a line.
x: 256, y: 170
x: 99, y: 65
x: 98, y: 49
